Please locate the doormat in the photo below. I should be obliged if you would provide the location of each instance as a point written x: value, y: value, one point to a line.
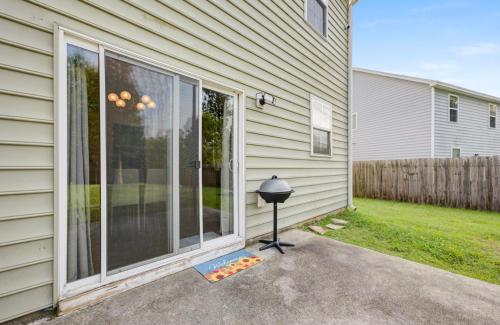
x: 227, y: 265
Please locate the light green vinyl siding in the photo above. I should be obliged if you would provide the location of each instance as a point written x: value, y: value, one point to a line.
x: 26, y: 167
x: 255, y: 45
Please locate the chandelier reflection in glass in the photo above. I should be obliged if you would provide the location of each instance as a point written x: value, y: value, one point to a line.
x: 121, y: 101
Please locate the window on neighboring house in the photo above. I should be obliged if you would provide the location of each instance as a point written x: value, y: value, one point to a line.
x: 321, y: 127
x: 453, y: 105
x: 354, y: 122
x: 316, y: 13
x: 455, y: 153
x: 493, y: 116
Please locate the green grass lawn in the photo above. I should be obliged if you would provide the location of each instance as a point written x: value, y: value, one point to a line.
x: 461, y: 241
x: 211, y: 195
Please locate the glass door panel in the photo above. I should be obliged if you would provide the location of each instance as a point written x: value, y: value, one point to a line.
x: 84, y: 224
x: 139, y: 107
x: 189, y: 164
x: 217, y: 153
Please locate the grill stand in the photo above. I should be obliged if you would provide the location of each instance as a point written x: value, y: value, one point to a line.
x: 276, y: 241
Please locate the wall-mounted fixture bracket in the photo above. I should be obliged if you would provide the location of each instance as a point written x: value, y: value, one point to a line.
x: 262, y: 99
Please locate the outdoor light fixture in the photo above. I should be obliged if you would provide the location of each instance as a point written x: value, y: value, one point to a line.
x: 262, y: 99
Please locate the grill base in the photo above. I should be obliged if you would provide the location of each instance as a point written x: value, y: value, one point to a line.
x: 277, y: 244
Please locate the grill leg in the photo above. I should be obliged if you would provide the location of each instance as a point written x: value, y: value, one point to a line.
x: 275, y: 221
x: 275, y: 242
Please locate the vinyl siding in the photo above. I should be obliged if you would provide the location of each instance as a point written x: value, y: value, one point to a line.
x: 394, y: 118
x: 471, y: 134
x: 254, y: 45
x: 26, y: 167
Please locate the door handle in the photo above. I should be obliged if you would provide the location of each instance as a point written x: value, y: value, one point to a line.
x: 195, y: 164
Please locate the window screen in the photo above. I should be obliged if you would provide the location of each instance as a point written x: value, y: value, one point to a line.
x: 493, y: 116
x: 453, y: 104
x: 321, y: 120
x: 354, y: 122
x: 316, y: 15
x: 455, y: 153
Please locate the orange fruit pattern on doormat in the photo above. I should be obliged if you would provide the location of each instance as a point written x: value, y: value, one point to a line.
x: 233, y: 268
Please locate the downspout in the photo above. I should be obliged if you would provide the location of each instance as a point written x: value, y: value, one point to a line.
x: 349, y: 113
x: 433, y: 119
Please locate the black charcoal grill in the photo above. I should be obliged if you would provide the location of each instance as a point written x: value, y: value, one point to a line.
x: 275, y: 191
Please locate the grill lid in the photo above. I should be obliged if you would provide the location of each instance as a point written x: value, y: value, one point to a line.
x: 275, y: 185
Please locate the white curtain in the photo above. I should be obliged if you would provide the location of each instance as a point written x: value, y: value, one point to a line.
x: 226, y: 212
x: 79, y: 255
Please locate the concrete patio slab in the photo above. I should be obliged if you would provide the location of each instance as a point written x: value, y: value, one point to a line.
x: 320, y: 281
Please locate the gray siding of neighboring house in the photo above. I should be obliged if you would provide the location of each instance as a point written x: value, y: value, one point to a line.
x: 393, y: 117
x: 254, y: 45
x: 471, y: 134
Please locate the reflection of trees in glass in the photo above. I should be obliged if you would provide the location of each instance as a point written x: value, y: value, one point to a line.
x: 125, y: 127
x: 213, y: 126
x: 188, y: 130
x: 142, y: 140
x: 156, y: 151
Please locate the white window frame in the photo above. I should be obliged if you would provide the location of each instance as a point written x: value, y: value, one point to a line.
x: 312, y: 127
x: 459, y: 150
x: 208, y: 249
x: 456, y: 109
x: 354, y: 121
x: 491, y: 105
x: 325, y: 3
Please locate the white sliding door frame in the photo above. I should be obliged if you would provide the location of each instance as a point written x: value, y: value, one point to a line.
x: 237, y: 109
x: 209, y: 249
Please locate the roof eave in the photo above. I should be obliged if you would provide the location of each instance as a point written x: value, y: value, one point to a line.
x: 468, y: 92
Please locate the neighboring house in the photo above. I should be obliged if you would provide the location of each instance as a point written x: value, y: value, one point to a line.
x: 399, y: 117
x: 131, y: 142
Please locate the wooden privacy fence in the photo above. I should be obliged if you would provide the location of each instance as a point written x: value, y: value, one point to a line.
x: 472, y: 182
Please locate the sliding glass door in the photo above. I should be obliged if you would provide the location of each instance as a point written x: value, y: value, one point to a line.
x: 217, y: 157
x: 83, y: 165
x: 150, y: 167
x: 189, y: 164
x: 139, y: 158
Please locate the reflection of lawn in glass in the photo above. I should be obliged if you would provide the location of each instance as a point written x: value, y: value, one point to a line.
x: 211, y: 195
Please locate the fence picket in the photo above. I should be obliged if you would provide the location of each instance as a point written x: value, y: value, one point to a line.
x: 472, y: 182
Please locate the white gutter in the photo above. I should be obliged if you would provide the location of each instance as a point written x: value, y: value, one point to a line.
x: 433, y: 119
